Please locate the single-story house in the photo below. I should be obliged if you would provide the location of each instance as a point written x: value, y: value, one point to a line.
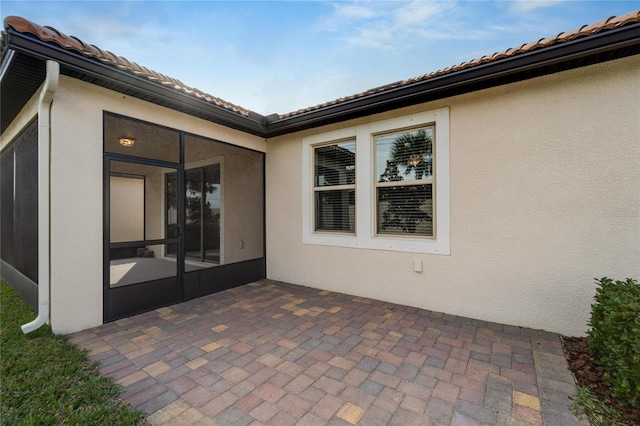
x: 495, y: 189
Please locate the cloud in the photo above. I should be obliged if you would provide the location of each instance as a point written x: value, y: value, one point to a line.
x: 398, y: 25
x: 351, y: 11
x: 91, y: 28
x: 377, y: 38
x: 523, y: 6
x: 418, y: 12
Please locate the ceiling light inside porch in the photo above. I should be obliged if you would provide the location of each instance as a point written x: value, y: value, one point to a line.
x: 125, y: 141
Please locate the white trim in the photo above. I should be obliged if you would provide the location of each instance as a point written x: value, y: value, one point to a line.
x: 365, y: 236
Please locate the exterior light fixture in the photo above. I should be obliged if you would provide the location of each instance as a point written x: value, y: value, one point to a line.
x: 125, y: 141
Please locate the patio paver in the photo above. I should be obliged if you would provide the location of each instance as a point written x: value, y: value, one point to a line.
x: 279, y: 354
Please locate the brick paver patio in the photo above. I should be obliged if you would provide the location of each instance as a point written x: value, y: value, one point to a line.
x: 280, y: 354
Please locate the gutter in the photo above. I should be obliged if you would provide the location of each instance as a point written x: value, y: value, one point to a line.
x: 49, y: 89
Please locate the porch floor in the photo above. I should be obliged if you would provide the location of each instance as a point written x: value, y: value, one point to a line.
x: 139, y: 269
x: 280, y: 354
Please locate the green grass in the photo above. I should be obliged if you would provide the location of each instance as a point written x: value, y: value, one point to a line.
x: 44, y: 380
x: 598, y: 413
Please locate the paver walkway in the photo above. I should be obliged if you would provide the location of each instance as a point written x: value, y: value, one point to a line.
x: 280, y: 354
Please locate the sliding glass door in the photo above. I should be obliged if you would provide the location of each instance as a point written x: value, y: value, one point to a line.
x: 203, y: 199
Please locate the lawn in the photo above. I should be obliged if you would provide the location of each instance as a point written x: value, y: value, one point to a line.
x: 45, y: 380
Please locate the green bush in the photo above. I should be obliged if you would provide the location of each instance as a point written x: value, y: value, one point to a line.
x: 615, y: 336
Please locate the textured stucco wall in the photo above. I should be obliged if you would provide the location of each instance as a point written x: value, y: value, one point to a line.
x: 76, y: 185
x: 545, y: 196
x: 243, y: 207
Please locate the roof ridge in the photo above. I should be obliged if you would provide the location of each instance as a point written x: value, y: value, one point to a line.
x: 50, y: 34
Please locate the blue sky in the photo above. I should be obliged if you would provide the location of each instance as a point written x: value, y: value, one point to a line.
x: 279, y: 56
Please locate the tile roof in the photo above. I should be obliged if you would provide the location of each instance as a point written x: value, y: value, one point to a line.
x: 564, y: 37
x: 50, y: 34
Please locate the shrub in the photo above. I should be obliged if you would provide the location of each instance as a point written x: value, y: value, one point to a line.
x: 615, y: 336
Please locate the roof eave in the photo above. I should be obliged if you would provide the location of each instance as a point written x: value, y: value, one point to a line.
x: 253, y: 124
x: 463, y: 81
x: 582, y: 51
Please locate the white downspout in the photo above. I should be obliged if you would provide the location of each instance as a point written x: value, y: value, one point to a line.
x: 44, y: 153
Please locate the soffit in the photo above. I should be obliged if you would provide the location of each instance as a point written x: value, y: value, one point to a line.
x: 22, y: 80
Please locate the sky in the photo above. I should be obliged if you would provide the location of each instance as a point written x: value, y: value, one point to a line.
x: 280, y: 56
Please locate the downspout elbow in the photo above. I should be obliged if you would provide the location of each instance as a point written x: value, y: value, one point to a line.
x: 49, y: 89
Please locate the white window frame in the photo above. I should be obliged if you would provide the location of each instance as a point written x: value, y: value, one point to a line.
x: 319, y: 189
x: 366, y: 236
x: 404, y: 183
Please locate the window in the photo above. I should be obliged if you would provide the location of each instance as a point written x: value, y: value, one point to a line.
x: 334, y: 187
x: 393, y: 195
x: 404, y: 190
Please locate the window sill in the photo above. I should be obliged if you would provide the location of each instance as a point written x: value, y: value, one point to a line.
x: 400, y: 244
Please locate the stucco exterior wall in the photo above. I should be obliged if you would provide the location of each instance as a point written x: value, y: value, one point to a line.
x: 545, y: 196
x: 76, y: 185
